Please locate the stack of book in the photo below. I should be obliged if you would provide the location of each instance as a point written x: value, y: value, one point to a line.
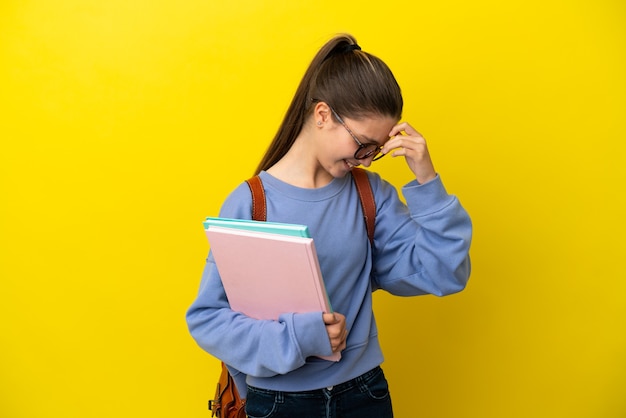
x: 267, y: 268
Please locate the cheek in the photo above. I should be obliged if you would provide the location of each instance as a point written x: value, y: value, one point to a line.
x: 336, y: 147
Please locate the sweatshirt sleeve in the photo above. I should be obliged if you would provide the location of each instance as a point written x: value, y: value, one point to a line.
x: 261, y: 348
x: 421, y: 247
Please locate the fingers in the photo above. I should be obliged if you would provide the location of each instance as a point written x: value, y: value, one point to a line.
x: 406, y: 127
x: 406, y: 141
x: 329, y: 318
x: 399, y: 143
x: 336, y: 329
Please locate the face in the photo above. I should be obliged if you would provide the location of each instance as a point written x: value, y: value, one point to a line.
x: 343, y: 139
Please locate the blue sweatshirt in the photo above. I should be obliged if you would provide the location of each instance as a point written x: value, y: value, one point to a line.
x: 419, y: 248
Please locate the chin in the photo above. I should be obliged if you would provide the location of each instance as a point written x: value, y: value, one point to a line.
x: 339, y: 169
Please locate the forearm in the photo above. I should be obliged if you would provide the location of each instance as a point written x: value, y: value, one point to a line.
x: 256, y: 347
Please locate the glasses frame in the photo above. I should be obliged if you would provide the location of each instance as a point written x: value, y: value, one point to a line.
x: 376, y: 152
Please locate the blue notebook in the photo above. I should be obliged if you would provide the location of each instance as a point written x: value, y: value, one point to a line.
x: 293, y: 230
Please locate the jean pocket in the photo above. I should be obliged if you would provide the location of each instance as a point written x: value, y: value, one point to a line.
x: 260, y: 403
x: 376, y: 386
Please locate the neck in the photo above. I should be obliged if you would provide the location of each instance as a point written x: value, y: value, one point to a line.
x: 299, y: 166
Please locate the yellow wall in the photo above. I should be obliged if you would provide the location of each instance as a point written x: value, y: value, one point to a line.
x: 124, y: 123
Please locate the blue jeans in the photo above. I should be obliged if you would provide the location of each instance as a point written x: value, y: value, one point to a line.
x: 367, y: 396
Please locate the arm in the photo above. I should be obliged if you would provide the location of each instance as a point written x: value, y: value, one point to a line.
x: 422, y: 248
x: 256, y: 347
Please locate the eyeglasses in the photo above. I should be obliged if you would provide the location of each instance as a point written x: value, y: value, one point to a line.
x: 365, y: 150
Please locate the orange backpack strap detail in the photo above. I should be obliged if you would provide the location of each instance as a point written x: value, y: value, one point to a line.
x: 368, y: 203
x: 259, y: 208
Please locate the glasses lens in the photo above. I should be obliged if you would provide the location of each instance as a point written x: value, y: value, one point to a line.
x: 367, y: 151
x: 378, y: 156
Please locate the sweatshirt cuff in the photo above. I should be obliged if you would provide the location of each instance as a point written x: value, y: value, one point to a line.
x: 311, y: 335
x: 427, y: 198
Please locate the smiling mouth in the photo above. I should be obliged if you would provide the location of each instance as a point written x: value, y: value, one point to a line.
x: 350, y: 165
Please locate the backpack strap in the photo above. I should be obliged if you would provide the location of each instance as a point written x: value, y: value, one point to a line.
x: 363, y: 186
x: 368, y: 203
x: 259, y: 208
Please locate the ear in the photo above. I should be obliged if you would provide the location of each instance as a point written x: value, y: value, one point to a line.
x: 321, y: 114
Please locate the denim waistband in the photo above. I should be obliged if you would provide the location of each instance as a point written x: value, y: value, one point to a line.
x: 341, y: 387
x: 357, y: 380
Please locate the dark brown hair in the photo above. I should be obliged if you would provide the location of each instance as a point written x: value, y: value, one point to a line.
x: 353, y: 82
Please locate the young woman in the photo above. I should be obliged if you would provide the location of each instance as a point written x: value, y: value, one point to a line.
x: 344, y: 114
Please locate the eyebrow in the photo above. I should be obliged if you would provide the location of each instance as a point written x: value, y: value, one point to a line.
x: 369, y: 141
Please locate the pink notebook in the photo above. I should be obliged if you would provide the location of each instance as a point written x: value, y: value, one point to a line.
x: 265, y: 275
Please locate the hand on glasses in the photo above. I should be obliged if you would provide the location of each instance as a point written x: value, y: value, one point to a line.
x: 412, y: 146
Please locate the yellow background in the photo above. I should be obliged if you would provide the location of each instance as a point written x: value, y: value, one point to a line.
x: 124, y: 123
